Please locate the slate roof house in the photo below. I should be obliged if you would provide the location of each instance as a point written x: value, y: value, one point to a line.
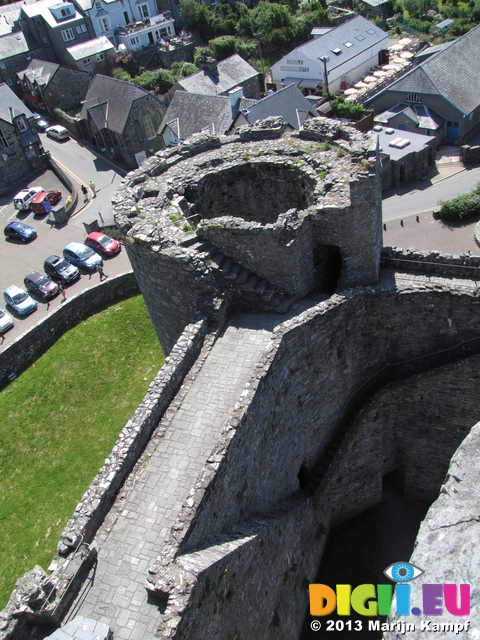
x: 289, y: 103
x: 447, y: 83
x: 55, y: 25
x: 190, y: 113
x: 16, y: 51
x: 53, y: 85
x: 414, y: 118
x: 123, y: 119
x: 21, y: 152
x: 350, y: 51
x: 220, y: 78
x: 94, y: 56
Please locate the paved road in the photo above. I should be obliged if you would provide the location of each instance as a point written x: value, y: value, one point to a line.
x: 424, y: 197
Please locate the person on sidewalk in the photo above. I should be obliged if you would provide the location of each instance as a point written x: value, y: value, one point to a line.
x: 101, y: 272
x: 93, y: 188
x: 61, y: 288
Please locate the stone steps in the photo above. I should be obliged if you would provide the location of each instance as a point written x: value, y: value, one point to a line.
x: 248, y: 289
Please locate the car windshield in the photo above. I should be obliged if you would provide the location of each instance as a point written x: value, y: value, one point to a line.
x: 84, y: 252
x: 2, y: 313
x: 19, y: 297
x: 43, y: 282
x: 61, y: 266
x: 21, y: 226
x: 105, y: 241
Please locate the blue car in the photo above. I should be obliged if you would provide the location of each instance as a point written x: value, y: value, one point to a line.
x: 82, y: 256
x: 19, y: 231
x: 19, y: 300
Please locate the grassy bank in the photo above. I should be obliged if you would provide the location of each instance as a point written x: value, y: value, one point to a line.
x: 58, y: 422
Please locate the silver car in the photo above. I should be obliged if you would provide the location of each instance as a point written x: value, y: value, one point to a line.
x: 6, y: 321
x: 19, y: 300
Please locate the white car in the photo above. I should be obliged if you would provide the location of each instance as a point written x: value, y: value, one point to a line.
x: 6, y: 321
x: 57, y: 132
x: 24, y: 198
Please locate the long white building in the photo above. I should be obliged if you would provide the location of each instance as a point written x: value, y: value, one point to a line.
x: 350, y: 51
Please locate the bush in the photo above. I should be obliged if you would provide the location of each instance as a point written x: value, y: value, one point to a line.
x: 222, y: 47
x: 120, y: 74
x: 159, y: 81
x: 462, y: 207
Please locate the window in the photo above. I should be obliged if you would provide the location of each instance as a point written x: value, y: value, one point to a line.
x: 149, y: 128
x: 143, y: 11
x: 68, y: 35
x: 100, y: 57
x: 348, y: 44
x: 138, y: 130
x: 65, y: 12
x: 9, y: 82
x: 98, y: 5
x: 87, y: 61
x: 104, y: 24
x: 21, y: 124
x: 134, y: 40
x: 45, y: 42
x: 38, y: 21
x: 371, y: 31
x: 2, y: 65
x: 413, y: 97
x: 81, y: 28
x: 359, y: 37
x: 3, y: 140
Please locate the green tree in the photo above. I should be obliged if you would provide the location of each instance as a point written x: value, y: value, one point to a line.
x: 275, y: 24
x: 419, y: 8
x: 222, y: 47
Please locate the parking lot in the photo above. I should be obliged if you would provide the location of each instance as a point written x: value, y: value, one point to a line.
x: 19, y: 259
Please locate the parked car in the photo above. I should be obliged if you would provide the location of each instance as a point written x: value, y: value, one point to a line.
x: 57, y: 132
x: 37, y: 203
x: 40, y: 284
x: 19, y: 300
x: 24, y: 197
x: 60, y: 269
x: 6, y: 321
x: 102, y: 244
x: 19, y: 231
x: 40, y: 122
x: 82, y: 256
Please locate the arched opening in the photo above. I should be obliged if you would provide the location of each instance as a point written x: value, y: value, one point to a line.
x: 327, y: 263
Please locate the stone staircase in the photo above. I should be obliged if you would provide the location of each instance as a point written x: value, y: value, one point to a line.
x: 247, y: 289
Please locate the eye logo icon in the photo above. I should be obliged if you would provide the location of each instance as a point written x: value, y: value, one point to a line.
x: 402, y: 572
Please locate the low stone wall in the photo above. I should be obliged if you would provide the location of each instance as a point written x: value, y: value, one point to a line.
x: 470, y: 155
x: 431, y: 263
x: 25, y: 349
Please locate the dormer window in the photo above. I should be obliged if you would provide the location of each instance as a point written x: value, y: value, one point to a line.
x: 21, y: 124
x: 337, y: 51
x: 98, y: 5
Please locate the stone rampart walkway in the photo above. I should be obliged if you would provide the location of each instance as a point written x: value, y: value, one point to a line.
x: 132, y: 535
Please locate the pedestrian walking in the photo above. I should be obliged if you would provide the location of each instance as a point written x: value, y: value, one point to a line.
x: 101, y: 271
x: 62, y: 291
x: 85, y: 193
x: 93, y: 188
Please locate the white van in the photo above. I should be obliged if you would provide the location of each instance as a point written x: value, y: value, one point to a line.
x: 24, y: 198
x: 57, y: 132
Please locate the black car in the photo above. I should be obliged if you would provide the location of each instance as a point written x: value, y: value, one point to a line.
x: 59, y: 269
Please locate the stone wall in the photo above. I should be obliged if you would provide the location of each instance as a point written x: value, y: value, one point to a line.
x: 26, y: 348
x: 470, y: 155
x: 248, y: 532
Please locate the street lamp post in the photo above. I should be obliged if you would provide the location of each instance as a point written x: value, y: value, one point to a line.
x: 325, y: 59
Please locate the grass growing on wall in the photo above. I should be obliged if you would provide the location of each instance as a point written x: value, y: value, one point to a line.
x: 58, y: 422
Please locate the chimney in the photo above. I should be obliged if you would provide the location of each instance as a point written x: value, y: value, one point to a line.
x: 235, y: 95
x: 207, y: 64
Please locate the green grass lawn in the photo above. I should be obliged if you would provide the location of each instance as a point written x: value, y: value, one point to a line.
x: 58, y: 422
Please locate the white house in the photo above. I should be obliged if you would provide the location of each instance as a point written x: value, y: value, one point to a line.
x: 132, y: 23
x: 347, y: 53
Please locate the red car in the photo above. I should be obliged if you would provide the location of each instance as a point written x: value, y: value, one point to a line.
x: 52, y: 196
x: 102, y: 244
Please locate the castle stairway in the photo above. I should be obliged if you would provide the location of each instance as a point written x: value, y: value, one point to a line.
x: 248, y: 290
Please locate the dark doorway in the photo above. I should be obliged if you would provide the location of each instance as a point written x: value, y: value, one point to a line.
x: 127, y: 19
x: 327, y: 264
x: 150, y: 37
